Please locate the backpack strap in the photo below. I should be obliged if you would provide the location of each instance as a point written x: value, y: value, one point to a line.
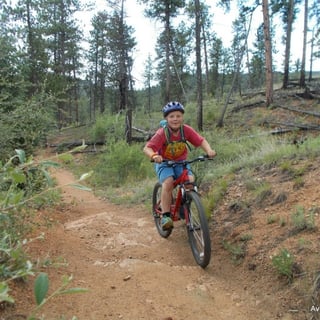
x: 183, y: 139
x: 167, y: 134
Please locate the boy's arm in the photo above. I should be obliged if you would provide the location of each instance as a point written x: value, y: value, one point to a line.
x: 148, y: 152
x: 152, y: 155
x: 154, y: 144
x: 207, y: 149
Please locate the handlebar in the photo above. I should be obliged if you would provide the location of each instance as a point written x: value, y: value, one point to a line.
x: 184, y: 162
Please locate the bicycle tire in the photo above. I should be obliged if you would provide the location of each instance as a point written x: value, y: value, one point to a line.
x: 198, y: 229
x: 155, y: 206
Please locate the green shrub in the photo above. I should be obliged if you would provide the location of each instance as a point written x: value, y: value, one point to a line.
x: 298, y: 183
x: 246, y: 237
x: 272, y: 218
x: 22, y: 183
x: 237, y: 251
x: 301, y: 221
x: 108, y: 128
x: 122, y: 163
x: 283, y: 263
x: 213, y: 198
x: 25, y: 128
x: 41, y: 288
x: 14, y: 261
x: 262, y: 193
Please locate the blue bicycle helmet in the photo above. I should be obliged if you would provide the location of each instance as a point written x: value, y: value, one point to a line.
x: 172, y: 106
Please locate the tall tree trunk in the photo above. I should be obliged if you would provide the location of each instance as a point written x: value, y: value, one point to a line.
x: 198, y: 63
x: 206, y: 63
x: 238, y: 61
x: 304, y: 48
x: 288, y: 44
x: 31, y: 51
x: 268, y: 52
x: 95, y: 86
x: 168, y: 41
x: 123, y: 81
x: 76, y: 95
x: 311, y: 56
x: 102, y: 93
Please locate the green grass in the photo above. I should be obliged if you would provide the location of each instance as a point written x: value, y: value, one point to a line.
x: 302, y: 221
x: 236, y: 250
x: 121, y: 165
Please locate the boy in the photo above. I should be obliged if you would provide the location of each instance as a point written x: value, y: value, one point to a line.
x: 171, y: 144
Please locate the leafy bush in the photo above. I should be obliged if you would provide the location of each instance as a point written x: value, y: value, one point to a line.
x: 283, y: 262
x: 22, y: 182
x: 108, y: 128
x: 14, y: 261
x: 23, y: 128
x: 122, y: 163
x: 41, y: 288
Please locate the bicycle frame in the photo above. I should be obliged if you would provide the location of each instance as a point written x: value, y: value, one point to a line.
x: 180, y: 182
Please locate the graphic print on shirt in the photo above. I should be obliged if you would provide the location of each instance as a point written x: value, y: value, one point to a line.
x: 174, y: 150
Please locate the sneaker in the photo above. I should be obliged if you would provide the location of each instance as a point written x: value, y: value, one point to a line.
x: 166, y: 223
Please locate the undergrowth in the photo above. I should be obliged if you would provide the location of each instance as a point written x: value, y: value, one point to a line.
x: 25, y: 185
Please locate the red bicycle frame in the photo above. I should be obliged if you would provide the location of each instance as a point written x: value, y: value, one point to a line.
x: 180, y: 182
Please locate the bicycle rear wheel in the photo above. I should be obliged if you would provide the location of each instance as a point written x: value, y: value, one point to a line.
x: 156, y: 209
x: 198, y: 229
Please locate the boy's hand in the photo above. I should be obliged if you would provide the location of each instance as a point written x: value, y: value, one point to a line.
x: 207, y: 149
x: 157, y: 158
x: 211, y: 153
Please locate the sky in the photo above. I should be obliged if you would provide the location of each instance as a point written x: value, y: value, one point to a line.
x: 147, y: 31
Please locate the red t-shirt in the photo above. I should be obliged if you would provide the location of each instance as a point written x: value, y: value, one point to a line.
x: 177, y: 150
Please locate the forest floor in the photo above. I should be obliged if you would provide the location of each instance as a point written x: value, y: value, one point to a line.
x: 132, y: 273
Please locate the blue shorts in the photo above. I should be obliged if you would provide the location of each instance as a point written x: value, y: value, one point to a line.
x: 164, y: 171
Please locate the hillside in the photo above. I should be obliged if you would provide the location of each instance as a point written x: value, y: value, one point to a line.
x: 132, y: 273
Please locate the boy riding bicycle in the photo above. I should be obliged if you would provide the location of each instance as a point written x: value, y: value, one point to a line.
x: 170, y: 143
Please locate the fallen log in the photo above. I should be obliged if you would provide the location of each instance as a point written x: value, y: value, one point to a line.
x: 139, y: 139
x: 89, y: 151
x: 249, y: 105
x: 294, y: 125
x: 72, y: 144
x: 308, y: 112
x: 147, y: 134
x: 141, y: 130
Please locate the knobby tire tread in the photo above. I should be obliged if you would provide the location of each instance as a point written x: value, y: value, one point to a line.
x: 157, y: 219
x: 205, y: 260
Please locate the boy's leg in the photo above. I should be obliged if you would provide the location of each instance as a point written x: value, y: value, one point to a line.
x: 166, y: 194
x: 165, y: 175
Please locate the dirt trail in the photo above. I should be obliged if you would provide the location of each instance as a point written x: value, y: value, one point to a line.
x: 132, y: 273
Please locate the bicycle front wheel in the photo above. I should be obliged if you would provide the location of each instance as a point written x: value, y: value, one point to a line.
x: 198, y: 229
x: 156, y: 210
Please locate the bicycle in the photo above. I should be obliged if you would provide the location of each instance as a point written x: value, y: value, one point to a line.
x: 186, y: 205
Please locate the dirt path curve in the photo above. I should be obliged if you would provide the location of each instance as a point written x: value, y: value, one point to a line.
x: 132, y: 273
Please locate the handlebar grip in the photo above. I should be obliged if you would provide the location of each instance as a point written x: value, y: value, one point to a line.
x: 207, y: 157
